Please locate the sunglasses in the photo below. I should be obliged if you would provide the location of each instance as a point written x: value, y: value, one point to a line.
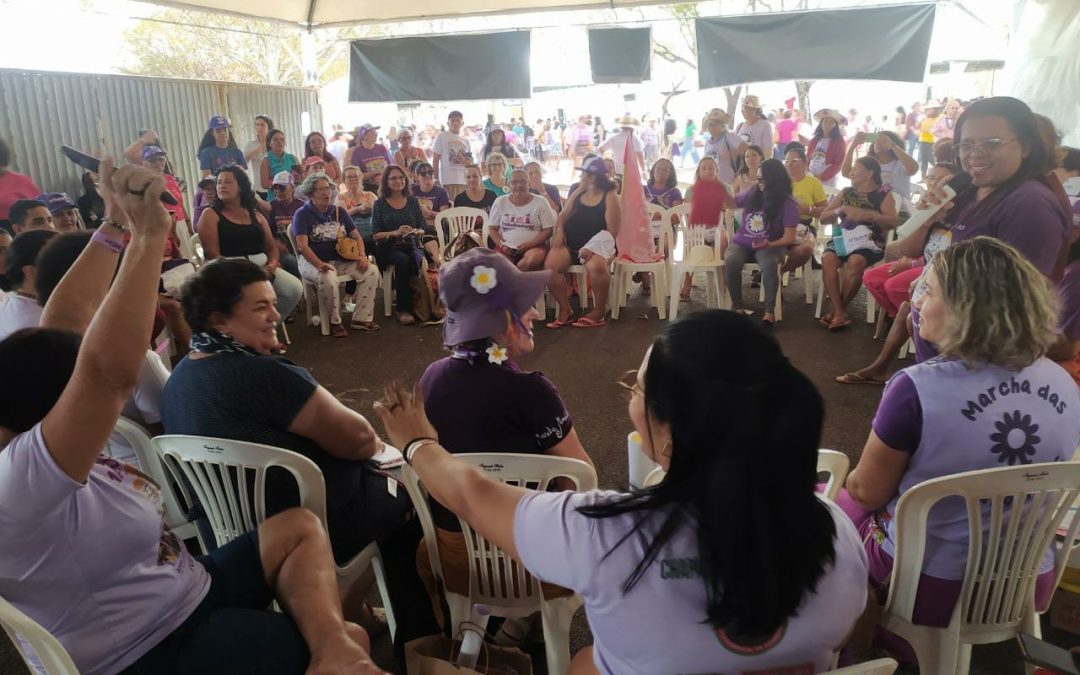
x: 425, y: 173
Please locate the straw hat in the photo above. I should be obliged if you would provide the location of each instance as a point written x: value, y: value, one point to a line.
x: 933, y: 103
x: 715, y: 115
x: 752, y: 101
x: 829, y: 112
x: 628, y: 121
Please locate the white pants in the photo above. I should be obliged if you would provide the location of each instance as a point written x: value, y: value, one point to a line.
x: 328, y: 288
x: 288, y: 288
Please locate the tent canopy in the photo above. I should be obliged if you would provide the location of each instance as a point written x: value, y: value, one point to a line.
x: 325, y: 13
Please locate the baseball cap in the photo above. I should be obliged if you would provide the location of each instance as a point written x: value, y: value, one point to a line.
x: 151, y: 151
x: 218, y: 122
x: 311, y: 161
x: 55, y: 201
x: 364, y: 128
x: 595, y: 166
x: 283, y: 178
x: 209, y: 180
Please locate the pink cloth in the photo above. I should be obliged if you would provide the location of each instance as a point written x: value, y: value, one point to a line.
x: 889, y: 291
x: 13, y: 187
x: 635, y: 240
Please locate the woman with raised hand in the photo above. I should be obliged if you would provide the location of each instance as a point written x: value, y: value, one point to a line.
x: 687, y: 576
x: 993, y: 317
x: 167, y: 611
x: 897, y: 167
x: 233, y: 228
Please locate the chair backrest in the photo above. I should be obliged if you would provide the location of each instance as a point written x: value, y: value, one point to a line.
x: 229, y: 479
x: 875, y: 667
x: 655, y: 477
x: 151, y: 465
x: 457, y: 220
x: 494, y: 577
x: 682, y: 211
x: 184, y: 236
x: 1006, y: 545
x: 835, y: 464
x: 198, y: 255
x: 47, y: 650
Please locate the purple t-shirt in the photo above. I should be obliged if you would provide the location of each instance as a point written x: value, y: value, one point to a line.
x: 281, y: 214
x: 552, y: 193
x: 663, y: 196
x: 755, y: 228
x: 434, y: 199
x: 1069, y: 292
x: 523, y: 412
x: 660, y: 625
x: 375, y: 159
x: 1030, y: 219
x: 322, y: 229
x: 214, y: 159
x: 94, y: 563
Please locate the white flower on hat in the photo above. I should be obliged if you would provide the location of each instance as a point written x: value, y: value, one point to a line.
x: 483, y: 279
x: 497, y: 354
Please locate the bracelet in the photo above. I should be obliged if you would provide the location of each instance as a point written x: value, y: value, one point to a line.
x: 102, y: 239
x: 115, y: 223
x: 415, y: 444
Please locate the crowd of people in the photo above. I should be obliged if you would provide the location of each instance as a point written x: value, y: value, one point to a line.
x: 733, y: 562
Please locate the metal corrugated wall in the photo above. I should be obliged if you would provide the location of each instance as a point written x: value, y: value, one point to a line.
x: 103, y: 113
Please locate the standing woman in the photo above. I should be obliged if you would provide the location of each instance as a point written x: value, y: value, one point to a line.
x: 579, y: 141
x: 233, y: 228
x: 946, y: 124
x: 769, y: 219
x: 755, y: 129
x: 496, y: 180
x: 255, y: 151
x: 827, y: 148
x: 749, y: 169
x: 724, y: 146
x: 370, y: 156
x: 407, y: 153
x: 496, y: 143
x: 315, y: 146
x: 217, y: 149
x: 398, y: 225
x: 589, y: 212
x: 276, y: 160
x: 897, y: 167
x: 317, y: 227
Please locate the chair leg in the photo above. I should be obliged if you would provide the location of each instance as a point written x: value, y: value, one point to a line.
x: 384, y: 593
x: 556, y: 616
x: 659, y: 281
x: 615, y: 296
x: 460, y: 610
x: 673, y: 293
x: 388, y: 290
x: 820, y: 294
x: 871, y: 307
x: 808, y: 281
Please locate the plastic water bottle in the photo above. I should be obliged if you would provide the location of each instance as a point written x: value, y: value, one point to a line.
x: 640, y: 465
x: 473, y: 637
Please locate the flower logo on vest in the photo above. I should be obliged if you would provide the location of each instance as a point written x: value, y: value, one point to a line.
x: 1015, y: 439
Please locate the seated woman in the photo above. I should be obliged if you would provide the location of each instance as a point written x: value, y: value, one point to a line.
x: 709, y: 199
x: 317, y: 226
x: 809, y: 193
x: 991, y: 337
x: 663, y: 186
x: 537, y: 186
x: 769, y: 218
x: 398, y: 225
x: 433, y: 199
x: 497, y: 180
x: 233, y: 228
x: 282, y: 209
x: 747, y: 176
x: 407, y: 153
x: 356, y: 201
x: 486, y: 333
x: 827, y: 147
x: 865, y: 211
x: 167, y: 612
x: 686, y: 576
x: 591, y: 216
x: 315, y: 146
x: 231, y: 386
x: 20, y: 308
x: 475, y: 195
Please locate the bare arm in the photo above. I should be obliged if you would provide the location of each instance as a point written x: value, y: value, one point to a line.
x: 888, y: 218
x: 829, y: 215
x: 612, y: 213
x: 305, y: 251
x: 341, y: 432
x: 79, y: 294
x: 435, y: 157
x: 208, y: 234
x: 783, y: 242
x: 112, y: 351
x: 849, y: 156
x: 272, y: 259
x: 876, y: 479
x: 264, y: 174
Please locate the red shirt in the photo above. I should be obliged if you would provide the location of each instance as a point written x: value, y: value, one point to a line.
x: 708, y: 199
x: 13, y: 187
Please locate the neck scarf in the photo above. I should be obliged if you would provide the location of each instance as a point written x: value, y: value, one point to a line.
x: 213, y: 342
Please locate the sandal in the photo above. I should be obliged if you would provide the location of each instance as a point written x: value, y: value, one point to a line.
x: 826, y: 319
x: 558, y: 323
x: 338, y: 331
x: 366, y: 326
x: 839, y: 324
x: 855, y: 378
x: 405, y: 319
x: 586, y: 322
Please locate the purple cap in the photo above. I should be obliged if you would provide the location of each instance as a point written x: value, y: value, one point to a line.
x: 596, y: 166
x: 55, y: 201
x: 478, y: 288
x: 151, y: 151
x: 218, y: 122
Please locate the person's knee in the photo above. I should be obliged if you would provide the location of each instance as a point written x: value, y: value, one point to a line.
x: 293, y: 525
x: 597, y: 268
x: 830, y: 261
x: 532, y: 260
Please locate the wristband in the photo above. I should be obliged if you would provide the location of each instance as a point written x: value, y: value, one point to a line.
x: 102, y: 239
x: 412, y: 446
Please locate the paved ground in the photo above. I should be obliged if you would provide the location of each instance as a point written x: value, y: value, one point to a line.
x: 584, y: 364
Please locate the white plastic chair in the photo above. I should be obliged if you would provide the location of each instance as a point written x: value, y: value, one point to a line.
x: 198, y: 256
x: 836, y: 464
x: 998, y: 590
x: 655, y: 477
x: 686, y: 238
x: 229, y: 480
x: 186, y: 240
x: 624, y: 270
x: 48, y: 651
x: 457, y: 220
x: 496, y: 580
x: 876, y: 667
x: 311, y: 295
x: 175, y: 511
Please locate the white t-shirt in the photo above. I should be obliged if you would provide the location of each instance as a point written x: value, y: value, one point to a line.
x: 454, y: 154
x: 338, y: 149
x: 255, y: 163
x: 519, y: 224
x: 759, y: 133
x: 144, y: 405
x: 616, y: 143
x: 659, y: 626
x: 18, y: 312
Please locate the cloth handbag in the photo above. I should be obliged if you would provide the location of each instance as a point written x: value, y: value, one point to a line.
x: 434, y: 655
x: 857, y: 238
x: 426, y: 304
x: 347, y: 247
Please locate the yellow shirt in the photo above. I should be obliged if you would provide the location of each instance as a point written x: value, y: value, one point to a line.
x: 925, y: 133
x: 808, y: 192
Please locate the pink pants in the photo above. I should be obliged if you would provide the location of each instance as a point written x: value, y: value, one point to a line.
x: 889, y: 291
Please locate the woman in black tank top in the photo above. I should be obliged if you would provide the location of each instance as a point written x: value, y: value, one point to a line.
x: 592, y: 210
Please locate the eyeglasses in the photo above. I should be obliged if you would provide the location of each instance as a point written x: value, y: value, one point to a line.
x: 629, y: 382
x: 989, y: 146
x: 281, y: 187
x: 325, y: 188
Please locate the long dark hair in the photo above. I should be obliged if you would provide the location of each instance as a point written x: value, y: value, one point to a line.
x: 604, y: 183
x: 384, y: 182
x: 744, y: 168
x: 487, y: 144
x: 308, y: 152
x: 270, y: 136
x: 208, y: 141
x: 835, y: 133
x: 894, y: 137
x: 738, y: 488
x: 672, y: 180
x: 243, y: 185
x: 777, y: 190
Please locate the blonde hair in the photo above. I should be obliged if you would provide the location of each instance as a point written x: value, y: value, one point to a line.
x: 352, y: 168
x: 1001, y: 309
x: 498, y: 156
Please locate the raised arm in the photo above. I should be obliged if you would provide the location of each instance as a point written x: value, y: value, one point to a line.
x: 79, y: 294
x: 112, y: 351
x: 849, y: 155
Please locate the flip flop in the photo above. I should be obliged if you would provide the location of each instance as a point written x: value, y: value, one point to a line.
x: 586, y: 322
x: 855, y: 378
x: 839, y: 324
x: 826, y: 320
x: 557, y: 324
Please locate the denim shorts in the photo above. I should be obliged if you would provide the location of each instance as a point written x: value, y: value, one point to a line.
x: 871, y: 256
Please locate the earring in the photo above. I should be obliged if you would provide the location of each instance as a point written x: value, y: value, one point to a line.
x: 666, y: 450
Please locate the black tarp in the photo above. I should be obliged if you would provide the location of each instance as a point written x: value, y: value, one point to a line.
x: 874, y: 43
x: 620, y: 54
x: 440, y: 68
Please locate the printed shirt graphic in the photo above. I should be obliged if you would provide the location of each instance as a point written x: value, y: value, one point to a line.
x: 92, y: 562
x: 214, y: 159
x: 322, y: 230
x: 520, y: 224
